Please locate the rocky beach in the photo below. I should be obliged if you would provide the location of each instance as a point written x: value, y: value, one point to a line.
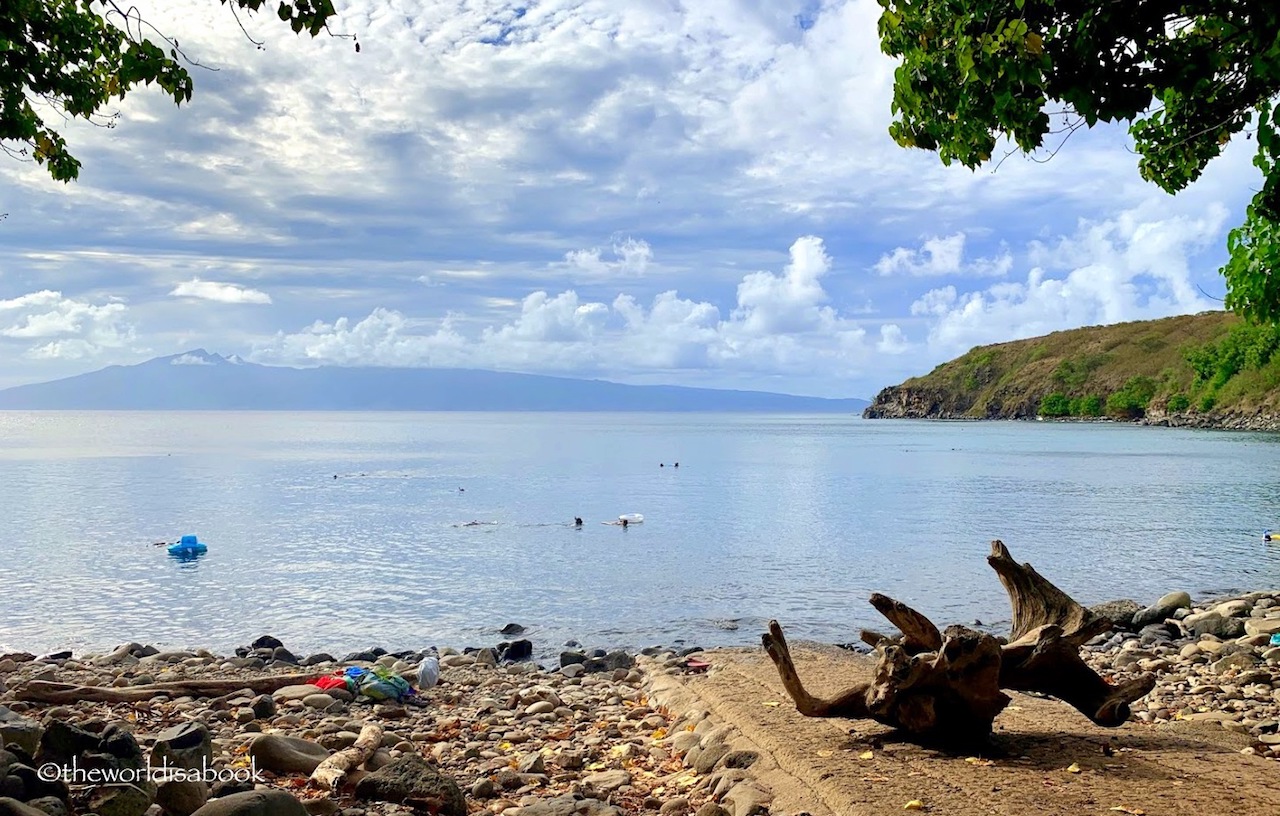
x: 498, y: 734
x: 666, y: 731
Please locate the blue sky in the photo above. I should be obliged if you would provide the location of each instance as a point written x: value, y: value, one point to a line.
x: 701, y: 193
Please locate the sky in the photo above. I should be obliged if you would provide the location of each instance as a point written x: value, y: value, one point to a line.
x: 694, y: 192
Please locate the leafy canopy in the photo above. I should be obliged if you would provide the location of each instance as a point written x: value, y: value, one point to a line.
x: 62, y: 59
x: 1186, y: 75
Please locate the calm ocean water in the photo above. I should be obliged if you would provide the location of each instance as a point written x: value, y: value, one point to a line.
x: 794, y: 517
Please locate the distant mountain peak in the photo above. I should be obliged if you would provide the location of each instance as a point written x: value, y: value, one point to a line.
x: 198, y: 357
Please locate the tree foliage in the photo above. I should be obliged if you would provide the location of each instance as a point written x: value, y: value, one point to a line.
x: 63, y: 59
x: 1186, y: 75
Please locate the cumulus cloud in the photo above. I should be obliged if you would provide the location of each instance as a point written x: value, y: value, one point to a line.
x: 892, y: 340
x: 56, y: 327
x: 1131, y: 267
x: 219, y: 292
x: 779, y: 320
x: 942, y: 256
x: 630, y: 258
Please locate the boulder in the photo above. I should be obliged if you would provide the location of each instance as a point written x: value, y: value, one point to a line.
x: 62, y: 742
x: 182, y: 797
x: 298, y: 692
x: 1161, y: 609
x: 18, y: 730
x: 286, y: 755
x: 1262, y: 626
x: 607, y: 781
x: 183, y: 746
x: 1211, y: 623
x: 122, y: 800
x: 1120, y: 613
x: 410, y: 778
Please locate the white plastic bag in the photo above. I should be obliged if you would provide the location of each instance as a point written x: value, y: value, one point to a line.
x: 428, y: 672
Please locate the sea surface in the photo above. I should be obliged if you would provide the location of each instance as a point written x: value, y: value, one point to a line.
x: 798, y: 518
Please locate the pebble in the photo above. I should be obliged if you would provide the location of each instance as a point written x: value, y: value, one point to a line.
x: 1219, y: 668
x: 515, y: 737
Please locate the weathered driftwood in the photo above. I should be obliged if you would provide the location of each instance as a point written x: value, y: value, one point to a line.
x: 330, y: 773
x: 947, y: 685
x: 44, y: 691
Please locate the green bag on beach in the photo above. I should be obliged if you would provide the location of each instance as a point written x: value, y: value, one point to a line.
x: 382, y: 684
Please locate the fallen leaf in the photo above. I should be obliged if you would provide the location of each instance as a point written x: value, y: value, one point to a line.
x: 826, y: 753
x: 1133, y: 811
x: 914, y: 804
x: 772, y: 704
x: 1073, y: 768
x: 659, y: 734
x: 977, y: 761
x: 865, y: 755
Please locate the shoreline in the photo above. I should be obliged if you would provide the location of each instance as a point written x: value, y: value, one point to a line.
x: 1266, y: 423
x: 596, y: 733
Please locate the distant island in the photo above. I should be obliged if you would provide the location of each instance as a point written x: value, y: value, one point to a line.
x: 199, y: 380
x: 1209, y: 370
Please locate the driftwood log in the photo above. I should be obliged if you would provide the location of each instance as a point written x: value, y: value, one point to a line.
x: 946, y: 686
x: 44, y: 691
x: 330, y: 773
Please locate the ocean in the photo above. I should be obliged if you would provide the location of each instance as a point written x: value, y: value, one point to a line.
x: 798, y: 518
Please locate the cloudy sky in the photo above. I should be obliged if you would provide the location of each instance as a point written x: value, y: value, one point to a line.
x: 699, y: 192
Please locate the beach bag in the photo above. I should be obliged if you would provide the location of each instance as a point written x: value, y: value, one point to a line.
x: 380, y: 683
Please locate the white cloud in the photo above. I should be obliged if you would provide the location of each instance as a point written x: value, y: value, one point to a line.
x: 64, y: 328
x: 1131, y: 267
x: 631, y: 258
x: 942, y: 256
x: 190, y: 359
x: 219, y: 292
x: 892, y: 340
x: 779, y: 321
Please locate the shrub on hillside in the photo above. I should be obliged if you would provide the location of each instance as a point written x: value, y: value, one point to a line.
x: 1131, y: 401
x: 1245, y: 347
x: 1090, y: 406
x: 1177, y: 403
x: 1055, y: 405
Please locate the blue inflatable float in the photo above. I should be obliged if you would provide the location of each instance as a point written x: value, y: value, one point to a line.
x: 188, y: 545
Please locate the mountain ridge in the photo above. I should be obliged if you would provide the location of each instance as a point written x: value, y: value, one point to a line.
x: 198, y: 379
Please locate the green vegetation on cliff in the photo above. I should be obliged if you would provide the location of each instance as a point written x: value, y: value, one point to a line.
x: 1195, y: 368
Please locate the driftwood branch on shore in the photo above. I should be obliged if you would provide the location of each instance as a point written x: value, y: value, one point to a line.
x: 330, y: 773
x: 44, y: 691
x: 947, y: 685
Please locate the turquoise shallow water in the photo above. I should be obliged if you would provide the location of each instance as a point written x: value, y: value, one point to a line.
x: 798, y: 518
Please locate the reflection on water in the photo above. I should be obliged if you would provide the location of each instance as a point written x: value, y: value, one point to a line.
x: 798, y: 518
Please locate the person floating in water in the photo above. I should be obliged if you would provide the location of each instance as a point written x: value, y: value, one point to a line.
x: 624, y: 524
x: 662, y: 464
x: 577, y: 521
x: 1267, y: 536
x: 677, y: 464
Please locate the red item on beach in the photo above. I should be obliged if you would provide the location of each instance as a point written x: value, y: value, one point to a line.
x: 333, y: 681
